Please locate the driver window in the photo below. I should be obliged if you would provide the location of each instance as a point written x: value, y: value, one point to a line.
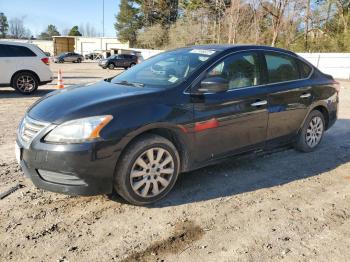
x: 240, y: 70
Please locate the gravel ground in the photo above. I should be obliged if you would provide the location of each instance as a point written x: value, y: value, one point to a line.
x: 282, y: 206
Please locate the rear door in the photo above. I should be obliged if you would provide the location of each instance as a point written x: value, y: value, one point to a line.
x: 233, y: 121
x: 69, y: 57
x: 14, y: 58
x: 290, y: 95
x: 8, y: 64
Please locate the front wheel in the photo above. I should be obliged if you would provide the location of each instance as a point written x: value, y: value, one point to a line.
x: 147, y: 170
x: 311, y: 134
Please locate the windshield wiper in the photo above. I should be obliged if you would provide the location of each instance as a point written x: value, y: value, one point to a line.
x: 127, y: 83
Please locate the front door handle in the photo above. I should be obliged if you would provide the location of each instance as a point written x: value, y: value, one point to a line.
x: 307, y: 95
x: 259, y: 103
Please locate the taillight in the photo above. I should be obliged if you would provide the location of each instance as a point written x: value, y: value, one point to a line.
x: 46, y: 60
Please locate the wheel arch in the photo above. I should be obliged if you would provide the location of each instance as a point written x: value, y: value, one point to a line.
x: 173, y: 134
x: 322, y: 107
x: 325, y: 113
x: 24, y: 71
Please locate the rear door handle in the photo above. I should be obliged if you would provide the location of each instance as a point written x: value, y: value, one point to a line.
x: 307, y: 95
x: 259, y: 103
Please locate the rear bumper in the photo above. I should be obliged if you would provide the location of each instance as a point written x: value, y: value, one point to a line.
x: 81, y: 169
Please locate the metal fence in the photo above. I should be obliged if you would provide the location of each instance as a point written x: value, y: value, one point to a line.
x: 335, y: 64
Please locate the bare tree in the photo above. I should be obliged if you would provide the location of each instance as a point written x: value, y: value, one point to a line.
x: 234, y: 18
x: 17, y: 29
x: 276, y: 9
x: 88, y: 30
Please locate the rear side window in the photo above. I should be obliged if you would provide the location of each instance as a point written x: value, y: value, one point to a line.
x: 305, y: 69
x: 15, y: 51
x: 281, y: 68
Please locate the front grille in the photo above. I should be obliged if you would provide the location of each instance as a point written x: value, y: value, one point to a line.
x: 30, y: 128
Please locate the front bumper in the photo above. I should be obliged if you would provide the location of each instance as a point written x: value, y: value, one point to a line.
x: 75, y: 169
x: 104, y: 66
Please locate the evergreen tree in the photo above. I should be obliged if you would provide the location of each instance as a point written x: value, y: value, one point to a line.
x: 128, y: 22
x: 49, y: 33
x: 75, y: 31
x: 4, y: 25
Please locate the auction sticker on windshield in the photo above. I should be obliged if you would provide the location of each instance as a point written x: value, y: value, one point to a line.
x: 202, y: 51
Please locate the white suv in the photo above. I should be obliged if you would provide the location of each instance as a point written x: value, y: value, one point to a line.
x: 23, y: 66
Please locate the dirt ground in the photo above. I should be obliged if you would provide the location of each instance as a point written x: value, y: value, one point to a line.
x: 283, y: 206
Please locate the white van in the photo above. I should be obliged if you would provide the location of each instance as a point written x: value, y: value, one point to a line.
x: 23, y: 66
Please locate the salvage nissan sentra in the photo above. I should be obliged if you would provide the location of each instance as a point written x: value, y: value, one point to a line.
x: 178, y: 111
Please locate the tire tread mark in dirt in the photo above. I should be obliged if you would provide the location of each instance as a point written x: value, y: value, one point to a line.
x: 184, y: 234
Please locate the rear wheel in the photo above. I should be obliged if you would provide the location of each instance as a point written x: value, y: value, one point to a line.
x: 25, y: 82
x: 311, y: 134
x: 147, y: 170
x: 132, y: 64
x: 79, y: 60
x: 111, y: 66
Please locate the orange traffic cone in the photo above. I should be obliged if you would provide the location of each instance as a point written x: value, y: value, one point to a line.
x: 60, y: 84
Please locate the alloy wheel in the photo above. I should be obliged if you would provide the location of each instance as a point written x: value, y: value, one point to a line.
x: 314, y: 132
x: 152, y: 172
x: 26, y: 83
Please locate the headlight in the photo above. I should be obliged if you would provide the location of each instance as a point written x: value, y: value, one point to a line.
x: 79, y: 130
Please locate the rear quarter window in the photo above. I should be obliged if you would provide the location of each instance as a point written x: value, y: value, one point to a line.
x: 281, y: 68
x: 305, y: 69
x: 15, y: 51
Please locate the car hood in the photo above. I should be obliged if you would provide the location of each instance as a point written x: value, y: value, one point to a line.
x: 83, y: 101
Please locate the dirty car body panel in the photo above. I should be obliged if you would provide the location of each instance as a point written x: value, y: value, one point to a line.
x: 206, y: 126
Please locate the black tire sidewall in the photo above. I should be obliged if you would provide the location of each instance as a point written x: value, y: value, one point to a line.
x: 124, y: 171
x: 301, y: 143
x: 14, y: 83
x: 111, y: 66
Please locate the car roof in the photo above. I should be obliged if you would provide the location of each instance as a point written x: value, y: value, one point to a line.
x: 226, y: 47
x: 5, y: 42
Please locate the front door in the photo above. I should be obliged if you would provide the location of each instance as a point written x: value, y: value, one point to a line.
x: 235, y: 120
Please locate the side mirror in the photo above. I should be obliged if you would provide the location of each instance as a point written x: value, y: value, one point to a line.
x: 214, y: 84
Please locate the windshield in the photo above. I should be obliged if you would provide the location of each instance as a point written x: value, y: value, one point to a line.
x: 165, y: 69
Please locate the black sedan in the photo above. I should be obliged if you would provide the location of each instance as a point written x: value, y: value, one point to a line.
x: 175, y: 112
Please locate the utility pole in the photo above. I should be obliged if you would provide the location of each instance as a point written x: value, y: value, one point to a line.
x: 103, y: 18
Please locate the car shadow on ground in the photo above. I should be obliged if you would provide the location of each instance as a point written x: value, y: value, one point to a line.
x: 251, y: 173
x: 11, y: 93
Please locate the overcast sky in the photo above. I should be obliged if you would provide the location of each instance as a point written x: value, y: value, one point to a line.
x: 37, y: 14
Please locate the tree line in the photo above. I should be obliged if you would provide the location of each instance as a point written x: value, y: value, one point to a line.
x: 299, y: 25
x: 16, y: 29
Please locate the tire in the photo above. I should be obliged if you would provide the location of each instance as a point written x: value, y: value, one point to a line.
x: 111, y: 66
x: 149, y: 184
x: 311, y: 134
x: 131, y: 65
x: 79, y: 60
x: 25, y: 83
